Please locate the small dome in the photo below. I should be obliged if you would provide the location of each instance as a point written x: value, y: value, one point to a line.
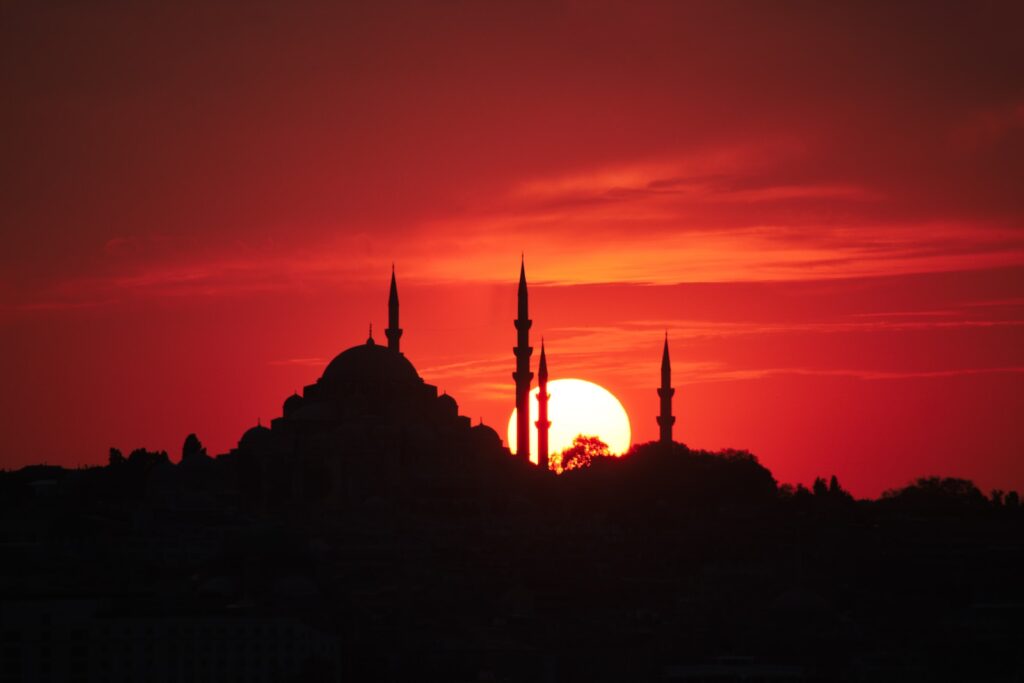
x: 291, y: 404
x: 448, y: 404
x: 485, y: 437
x: 370, y: 364
x: 255, y: 438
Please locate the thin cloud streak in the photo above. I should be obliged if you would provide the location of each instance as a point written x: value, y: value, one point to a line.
x: 868, y: 375
x: 612, y: 351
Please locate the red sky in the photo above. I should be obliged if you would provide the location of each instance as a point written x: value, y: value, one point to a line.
x: 820, y: 201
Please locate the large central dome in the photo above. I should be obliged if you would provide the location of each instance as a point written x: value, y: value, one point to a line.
x: 370, y: 364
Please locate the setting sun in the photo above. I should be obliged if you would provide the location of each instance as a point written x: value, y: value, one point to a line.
x: 577, y: 407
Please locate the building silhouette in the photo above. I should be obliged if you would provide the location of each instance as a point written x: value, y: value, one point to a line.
x: 666, y: 419
x: 368, y: 425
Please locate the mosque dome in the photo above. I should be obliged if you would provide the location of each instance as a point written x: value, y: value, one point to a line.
x: 370, y: 364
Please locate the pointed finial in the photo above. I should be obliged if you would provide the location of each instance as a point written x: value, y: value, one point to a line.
x: 542, y: 371
x: 259, y: 421
x: 369, y: 340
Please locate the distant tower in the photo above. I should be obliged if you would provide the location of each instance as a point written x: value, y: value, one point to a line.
x: 543, y: 423
x: 394, y: 332
x: 666, y: 419
x: 522, y: 375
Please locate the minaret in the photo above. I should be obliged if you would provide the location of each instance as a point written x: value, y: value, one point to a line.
x: 666, y: 419
x: 543, y: 423
x: 522, y: 375
x: 394, y: 332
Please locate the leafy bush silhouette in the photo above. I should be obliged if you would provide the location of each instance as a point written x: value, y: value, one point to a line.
x: 583, y: 452
x: 936, y: 495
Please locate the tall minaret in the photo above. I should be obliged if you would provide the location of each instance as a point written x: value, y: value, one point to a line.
x: 666, y: 419
x: 522, y: 375
x: 543, y: 423
x: 394, y: 332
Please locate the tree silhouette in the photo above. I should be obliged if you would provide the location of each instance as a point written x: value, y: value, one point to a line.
x: 937, y: 495
x: 582, y: 453
x: 193, y: 451
x: 820, y: 488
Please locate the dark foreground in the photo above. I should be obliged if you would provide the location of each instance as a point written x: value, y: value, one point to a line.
x: 664, y: 566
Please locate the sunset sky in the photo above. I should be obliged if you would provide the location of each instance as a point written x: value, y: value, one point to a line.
x: 823, y: 204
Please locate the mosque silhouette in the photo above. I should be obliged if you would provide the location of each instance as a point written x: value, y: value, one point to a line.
x: 371, y: 416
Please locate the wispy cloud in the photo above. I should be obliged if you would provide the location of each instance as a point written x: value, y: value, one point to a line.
x: 869, y: 375
x: 616, y: 352
x: 715, y: 215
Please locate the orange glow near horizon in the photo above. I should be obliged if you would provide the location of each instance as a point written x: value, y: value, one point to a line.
x: 577, y: 407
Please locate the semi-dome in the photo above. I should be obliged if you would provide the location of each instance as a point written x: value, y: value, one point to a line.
x: 291, y: 404
x: 485, y: 437
x: 448, y: 403
x: 254, y: 438
x: 370, y: 364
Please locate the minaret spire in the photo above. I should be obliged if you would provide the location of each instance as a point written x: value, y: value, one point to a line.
x: 393, y: 332
x: 522, y: 375
x: 666, y: 419
x: 523, y: 294
x: 543, y: 423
